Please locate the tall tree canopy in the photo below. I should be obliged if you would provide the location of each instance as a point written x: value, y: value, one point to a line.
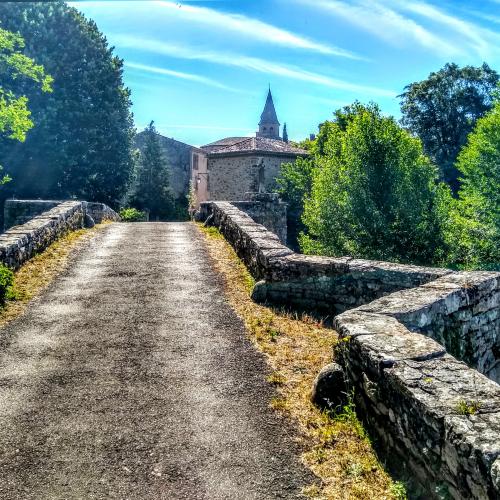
x: 474, y: 228
x: 443, y: 109
x: 374, y: 193
x: 151, y: 190
x: 14, y: 66
x: 82, y: 145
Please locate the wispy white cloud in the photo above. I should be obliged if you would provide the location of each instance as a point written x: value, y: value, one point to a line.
x: 247, y: 63
x: 251, y: 28
x: 385, y: 23
x: 476, y: 37
x: 487, y: 17
x: 178, y: 74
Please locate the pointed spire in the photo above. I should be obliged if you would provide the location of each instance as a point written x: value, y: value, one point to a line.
x: 285, y: 133
x: 268, y: 116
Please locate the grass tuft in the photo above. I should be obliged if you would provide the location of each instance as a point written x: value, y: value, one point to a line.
x: 468, y: 407
x: 336, y: 447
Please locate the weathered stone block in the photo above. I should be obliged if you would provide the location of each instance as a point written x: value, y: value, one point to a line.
x: 329, y: 389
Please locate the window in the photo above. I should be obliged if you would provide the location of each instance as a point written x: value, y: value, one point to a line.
x: 195, y: 162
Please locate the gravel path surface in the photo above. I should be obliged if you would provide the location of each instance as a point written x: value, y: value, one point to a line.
x: 132, y: 378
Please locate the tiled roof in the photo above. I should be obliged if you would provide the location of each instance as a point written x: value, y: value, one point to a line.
x: 252, y: 145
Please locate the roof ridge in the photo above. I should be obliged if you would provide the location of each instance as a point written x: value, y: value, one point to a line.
x: 227, y: 146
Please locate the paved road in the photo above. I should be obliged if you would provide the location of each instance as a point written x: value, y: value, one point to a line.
x: 132, y: 378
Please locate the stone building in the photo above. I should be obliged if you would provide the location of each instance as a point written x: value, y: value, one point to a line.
x: 178, y: 157
x: 229, y: 168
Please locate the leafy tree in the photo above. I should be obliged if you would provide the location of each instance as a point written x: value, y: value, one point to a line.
x: 294, y: 183
x: 82, y: 145
x: 14, y: 65
x: 152, y: 192
x: 374, y: 193
x: 474, y: 229
x: 295, y: 180
x: 443, y: 109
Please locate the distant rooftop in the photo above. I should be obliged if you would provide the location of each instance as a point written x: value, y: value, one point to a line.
x: 252, y: 145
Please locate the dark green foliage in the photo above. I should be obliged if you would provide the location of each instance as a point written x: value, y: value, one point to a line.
x: 473, y: 231
x: 373, y: 193
x: 285, y: 134
x: 294, y: 183
x: 443, y: 109
x: 181, y: 206
x: 6, y: 282
x: 151, y: 191
x: 132, y: 215
x: 82, y: 144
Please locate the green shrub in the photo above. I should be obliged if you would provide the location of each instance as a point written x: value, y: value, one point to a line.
x: 374, y: 194
x: 6, y: 281
x: 132, y: 215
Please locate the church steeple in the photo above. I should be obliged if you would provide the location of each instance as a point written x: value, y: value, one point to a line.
x: 269, y: 126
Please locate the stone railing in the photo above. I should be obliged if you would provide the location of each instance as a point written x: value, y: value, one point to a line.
x: 436, y: 419
x: 19, y: 243
x: 17, y: 212
x: 309, y: 282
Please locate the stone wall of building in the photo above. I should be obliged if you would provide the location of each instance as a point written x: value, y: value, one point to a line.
x: 178, y: 157
x: 436, y: 420
x: 232, y: 176
x: 199, y: 178
x: 20, y: 243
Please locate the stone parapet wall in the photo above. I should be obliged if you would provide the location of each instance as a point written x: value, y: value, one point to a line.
x: 402, y: 328
x: 16, y: 212
x: 254, y: 244
x: 20, y: 243
x: 100, y: 212
x: 307, y: 282
x: 266, y: 209
x: 461, y: 311
x: 435, y: 419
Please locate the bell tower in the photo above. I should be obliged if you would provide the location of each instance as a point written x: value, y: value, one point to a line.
x: 269, y: 126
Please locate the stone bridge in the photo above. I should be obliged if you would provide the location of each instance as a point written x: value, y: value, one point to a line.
x: 131, y: 376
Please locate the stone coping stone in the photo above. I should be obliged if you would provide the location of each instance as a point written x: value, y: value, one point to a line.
x: 420, y: 306
x: 384, y: 341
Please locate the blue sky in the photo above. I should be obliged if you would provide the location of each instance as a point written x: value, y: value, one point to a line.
x: 201, y: 68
